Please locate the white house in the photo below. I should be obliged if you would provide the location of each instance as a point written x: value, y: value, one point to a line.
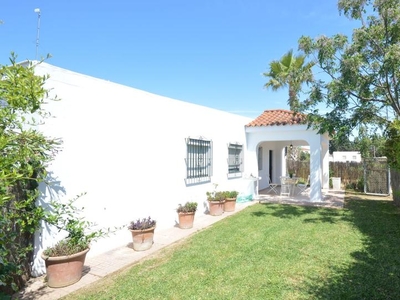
x: 128, y: 150
x: 137, y: 154
x: 346, y: 156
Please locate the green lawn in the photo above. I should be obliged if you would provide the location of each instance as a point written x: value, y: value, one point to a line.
x: 271, y: 251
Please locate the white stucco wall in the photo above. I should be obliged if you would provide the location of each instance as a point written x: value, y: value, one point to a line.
x: 344, y: 156
x: 278, y: 162
x: 126, y: 149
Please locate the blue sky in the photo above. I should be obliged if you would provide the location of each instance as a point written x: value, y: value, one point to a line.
x: 209, y: 52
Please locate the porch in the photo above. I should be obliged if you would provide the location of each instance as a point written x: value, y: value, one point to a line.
x: 268, y: 138
x: 330, y: 198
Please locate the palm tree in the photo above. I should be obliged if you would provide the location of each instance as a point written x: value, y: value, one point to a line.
x: 289, y: 71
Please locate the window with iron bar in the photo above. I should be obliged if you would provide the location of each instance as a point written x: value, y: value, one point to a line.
x: 235, y: 158
x: 198, y: 160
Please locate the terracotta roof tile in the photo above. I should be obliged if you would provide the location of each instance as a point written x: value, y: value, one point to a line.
x: 277, y: 117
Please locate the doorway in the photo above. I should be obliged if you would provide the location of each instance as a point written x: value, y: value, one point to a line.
x: 270, y: 168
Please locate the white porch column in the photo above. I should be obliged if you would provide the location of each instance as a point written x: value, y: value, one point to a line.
x: 250, y: 157
x: 315, y: 170
x: 283, y: 159
x: 325, y: 161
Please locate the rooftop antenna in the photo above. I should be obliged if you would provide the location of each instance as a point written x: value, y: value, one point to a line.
x: 37, y: 10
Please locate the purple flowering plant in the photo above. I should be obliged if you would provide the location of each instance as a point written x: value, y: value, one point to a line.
x: 141, y: 224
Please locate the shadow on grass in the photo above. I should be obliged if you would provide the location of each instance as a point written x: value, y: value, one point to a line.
x: 290, y: 211
x: 375, y: 270
x: 284, y: 210
x: 375, y: 273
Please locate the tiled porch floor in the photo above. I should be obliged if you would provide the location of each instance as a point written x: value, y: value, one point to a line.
x: 331, y: 198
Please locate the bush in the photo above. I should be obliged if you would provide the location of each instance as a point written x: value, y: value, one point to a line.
x: 25, y: 154
x: 231, y: 194
x: 80, y: 232
x: 188, y: 207
x: 141, y: 224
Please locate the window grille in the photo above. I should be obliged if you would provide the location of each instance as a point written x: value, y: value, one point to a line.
x: 235, y: 158
x: 198, y: 160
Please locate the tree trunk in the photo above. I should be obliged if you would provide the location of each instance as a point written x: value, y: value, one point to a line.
x: 293, y: 101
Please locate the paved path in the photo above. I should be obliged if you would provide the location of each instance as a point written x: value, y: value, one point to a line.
x: 102, y: 265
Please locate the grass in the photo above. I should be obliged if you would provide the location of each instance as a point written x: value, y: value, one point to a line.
x: 272, y: 251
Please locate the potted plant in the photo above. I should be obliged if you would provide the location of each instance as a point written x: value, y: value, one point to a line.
x: 230, y: 201
x: 186, y: 214
x: 216, y: 200
x: 142, y: 233
x: 64, y: 261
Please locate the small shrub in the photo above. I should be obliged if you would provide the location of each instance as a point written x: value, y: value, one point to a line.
x: 80, y: 234
x: 215, y: 196
x: 64, y: 248
x: 360, y: 184
x: 142, y: 224
x: 231, y: 194
x: 188, y: 207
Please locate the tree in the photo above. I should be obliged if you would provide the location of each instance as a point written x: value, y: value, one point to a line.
x: 25, y: 153
x: 370, y: 144
x: 340, y: 143
x: 304, y: 156
x: 291, y: 71
x: 362, y: 84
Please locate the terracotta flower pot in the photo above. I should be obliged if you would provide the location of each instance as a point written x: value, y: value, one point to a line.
x: 216, y: 208
x: 64, y: 270
x: 230, y: 204
x: 186, y: 219
x: 143, y: 239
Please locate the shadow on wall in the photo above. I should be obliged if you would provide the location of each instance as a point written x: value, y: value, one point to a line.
x: 49, y: 190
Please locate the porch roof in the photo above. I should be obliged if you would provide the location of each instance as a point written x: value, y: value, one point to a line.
x: 278, y: 117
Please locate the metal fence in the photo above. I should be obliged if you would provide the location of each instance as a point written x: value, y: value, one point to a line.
x: 376, y: 176
x: 370, y: 176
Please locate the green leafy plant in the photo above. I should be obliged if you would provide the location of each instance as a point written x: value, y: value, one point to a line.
x: 231, y: 194
x: 142, y: 224
x: 187, y: 207
x: 362, y: 90
x: 80, y: 234
x: 216, y: 195
x: 25, y: 153
x: 301, y: 181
